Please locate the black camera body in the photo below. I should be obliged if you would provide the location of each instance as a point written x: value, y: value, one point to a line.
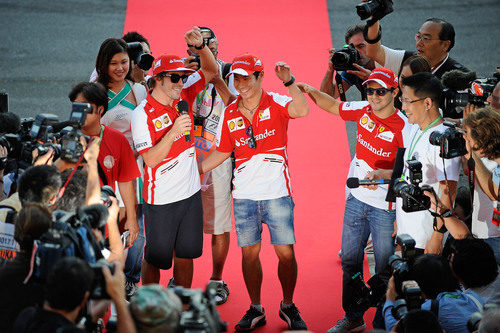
x: 98, y: 289
x: 35, y: 134
x: 344, y: 58
x: 367, y: 294
x: 413, y: 196
x: 411, y: 300
x: 374, y: 8
x: 451, y: 141
x: 71, y: 147
x: 137, y: 55
x: 196, y: 60
x: 401, y: 266
x: 201, y: 315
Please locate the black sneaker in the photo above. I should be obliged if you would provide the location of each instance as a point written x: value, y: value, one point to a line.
x: 252, y: 319
x: 221, y: 291
x: 130, y: 289
x: 292, y: 317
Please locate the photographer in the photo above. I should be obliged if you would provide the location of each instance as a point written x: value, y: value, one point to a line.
x: 31, y: 222
x: 434, y: 40
x: 482, y: 133
x: 161, y: 131
x: 473, y: 263
x: 440, y: 292
x: 137, y: 74
x: 381, y: 129
x: 421, y: 94
x: 418, y: 321
x: 66, y: 294
x: 116, y: 162
x: 351, y: 77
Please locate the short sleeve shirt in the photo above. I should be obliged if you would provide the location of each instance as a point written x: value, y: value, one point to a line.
x: 116, y: 158
x: 261, y: 173
x: 419, y: 224
x: 377, y: 143
x: 176, y: 177
x: 496, y: 175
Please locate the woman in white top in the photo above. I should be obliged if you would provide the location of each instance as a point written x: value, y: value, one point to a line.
x: 113, y: 70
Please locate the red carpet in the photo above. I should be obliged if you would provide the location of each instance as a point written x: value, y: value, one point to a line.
x: 297, y: 32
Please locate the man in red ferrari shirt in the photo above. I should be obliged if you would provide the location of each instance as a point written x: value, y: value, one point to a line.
x: 172, y: 211
x: 255, y: 127
x: 116, y: 159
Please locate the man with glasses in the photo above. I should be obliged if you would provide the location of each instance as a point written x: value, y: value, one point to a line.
x: 172, y: 209
x: 379, y: 126
x: 434, y: 39
x: 255, y: 127
x: 208, y: 107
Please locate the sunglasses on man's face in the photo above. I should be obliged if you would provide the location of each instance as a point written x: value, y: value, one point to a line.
x: 252, y: 143
x: 176, y: 77
x: 379, y: 91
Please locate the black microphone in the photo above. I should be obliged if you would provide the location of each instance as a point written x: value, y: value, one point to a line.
x: 183, y: 108
x: 355, y: 182
x: 458, y: 80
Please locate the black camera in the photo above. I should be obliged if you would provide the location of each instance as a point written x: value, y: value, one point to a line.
x: 411, y: 300
x: 71, y: 147
x: 413, y: 196
x: 367, y: 294
x: 98, y: 289
x: 196, y: 60
x: 137, y: 55
x: 106, y: 194
x: 374, y: 8
x: 401, y: 266
x: 451, y: 141
x: 201, y: 314
x: 344, y: 58
x: 462, y: 88
x: 35, y: 134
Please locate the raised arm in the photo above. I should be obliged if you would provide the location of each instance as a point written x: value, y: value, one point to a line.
x: 375, y: 51
x: 324, y: 101
x: 209, y: 65
x: 298, y: 107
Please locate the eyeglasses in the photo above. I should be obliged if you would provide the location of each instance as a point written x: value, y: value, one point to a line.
x: 252, y: 143
x: 425, y: 39
x: 409, y: 101
x: 176, y: 77
x: 379, y: 91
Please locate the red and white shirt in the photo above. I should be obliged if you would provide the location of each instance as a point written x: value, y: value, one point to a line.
x: 116, y: 158
x: 176, y: 177
x: 260, y: 173
x: 377, y: 142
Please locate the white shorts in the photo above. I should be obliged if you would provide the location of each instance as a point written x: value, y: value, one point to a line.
x: 216, y: 199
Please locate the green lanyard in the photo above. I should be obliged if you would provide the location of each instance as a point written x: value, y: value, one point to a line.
x: 413, y: 145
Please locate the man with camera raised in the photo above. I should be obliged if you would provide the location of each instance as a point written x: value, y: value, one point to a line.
x: 161, y: 128
x: 358, y: 65
x: 434, y: 39
x: 380, y: 133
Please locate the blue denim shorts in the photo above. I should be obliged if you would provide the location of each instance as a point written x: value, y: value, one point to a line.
x: 276, y: 213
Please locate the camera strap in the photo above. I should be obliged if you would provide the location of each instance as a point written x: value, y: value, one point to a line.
x: 340, y: 87
x: 413, y: 143
x: 471, y: 164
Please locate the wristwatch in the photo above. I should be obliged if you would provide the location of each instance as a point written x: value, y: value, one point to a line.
x: 446, y: 213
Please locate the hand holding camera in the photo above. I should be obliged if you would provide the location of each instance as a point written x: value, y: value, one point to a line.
x: 376, y: 9
x: 115, y: 281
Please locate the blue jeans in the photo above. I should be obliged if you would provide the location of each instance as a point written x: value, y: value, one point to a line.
x: 276, y: 213
x: 360, y: 220
x: 133, y: 262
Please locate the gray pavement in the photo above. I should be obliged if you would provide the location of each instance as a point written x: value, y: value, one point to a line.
x: 47, y: 46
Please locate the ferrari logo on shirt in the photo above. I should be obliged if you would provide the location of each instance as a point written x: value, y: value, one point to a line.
x: 264, y: 115
x: 162, y: 122
x: 235, y: 124
x: 367, y: 123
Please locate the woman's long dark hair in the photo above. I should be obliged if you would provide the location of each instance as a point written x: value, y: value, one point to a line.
x: 108, y: 49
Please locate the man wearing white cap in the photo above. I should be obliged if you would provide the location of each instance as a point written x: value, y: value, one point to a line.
x: 379, y: 135
x: 255, y: 127
x: 172, y: 212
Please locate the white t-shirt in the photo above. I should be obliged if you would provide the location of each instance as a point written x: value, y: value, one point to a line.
x: 393, y: 59
x: 482, y: 214
x: 419, y: 224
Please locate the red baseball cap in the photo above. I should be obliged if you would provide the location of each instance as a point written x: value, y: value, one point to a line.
x: 246, y: 64
x: 383, y: 76
x: 169, y: 63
